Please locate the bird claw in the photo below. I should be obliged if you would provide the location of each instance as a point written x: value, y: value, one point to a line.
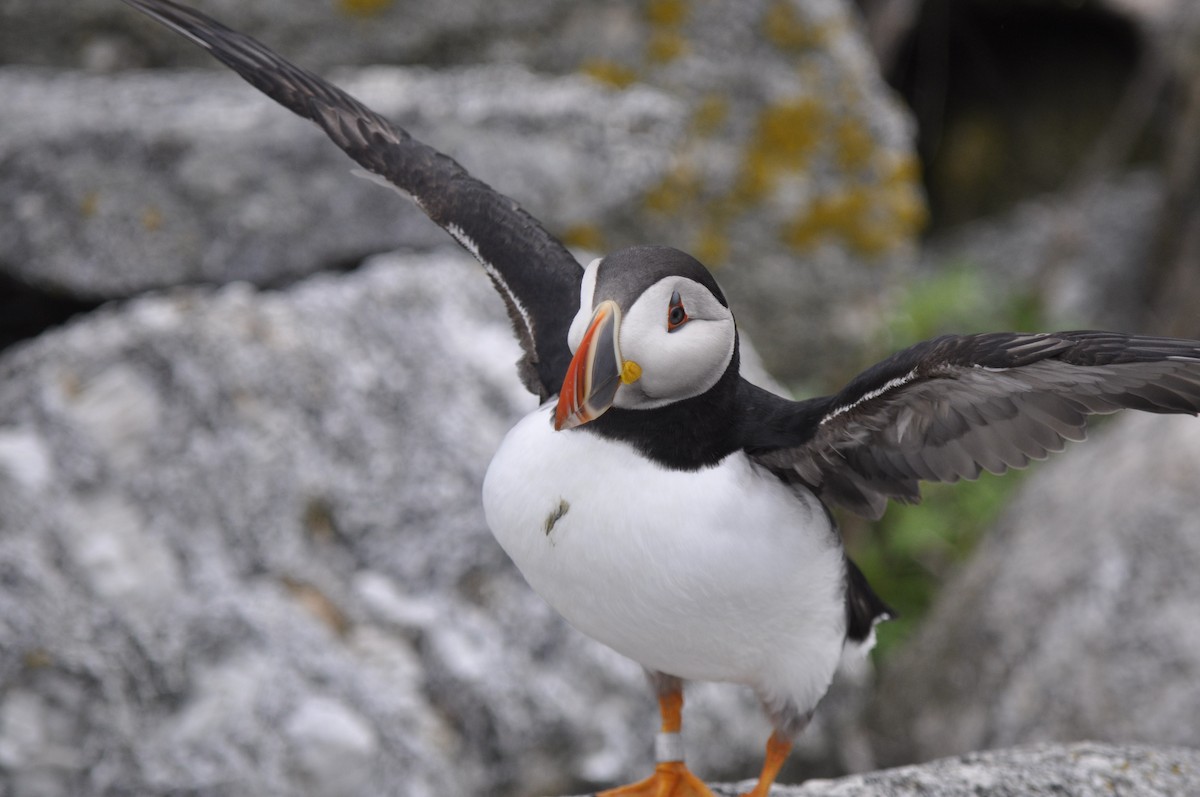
x: 670, y: 779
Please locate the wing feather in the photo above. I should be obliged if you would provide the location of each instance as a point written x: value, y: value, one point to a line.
x: 952, y: 407
x: 533, y: 272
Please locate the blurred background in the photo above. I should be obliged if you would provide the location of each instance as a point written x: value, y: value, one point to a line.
x: 247, y: 400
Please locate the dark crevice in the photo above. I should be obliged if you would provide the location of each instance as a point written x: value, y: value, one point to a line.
x: 342, y: 264
x: 26, y: 311
x: 1011, y: 97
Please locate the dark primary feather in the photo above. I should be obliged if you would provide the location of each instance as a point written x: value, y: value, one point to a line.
x: 949, y: 408
x: 864, y: 609
x: 533, y: 271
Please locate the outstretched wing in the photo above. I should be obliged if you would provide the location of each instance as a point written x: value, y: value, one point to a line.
x: 532, y: 270
x: 951, y: 407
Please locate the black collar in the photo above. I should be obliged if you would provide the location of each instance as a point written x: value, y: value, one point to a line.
x: 690, y: 434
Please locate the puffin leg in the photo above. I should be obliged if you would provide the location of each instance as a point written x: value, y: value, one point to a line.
x: 671, y: 776
x: 778, y: 747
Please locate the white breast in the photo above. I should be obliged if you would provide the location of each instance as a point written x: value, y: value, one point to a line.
x: 725, y: 574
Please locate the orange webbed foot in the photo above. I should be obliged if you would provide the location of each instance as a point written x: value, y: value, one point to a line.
x: 670, y: 779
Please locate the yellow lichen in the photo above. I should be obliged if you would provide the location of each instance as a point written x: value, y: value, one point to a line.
x: 709, y: 114
x: 90, y: 204
x: 664, y: 46
x: 855, y: 146
x: 151, y: 219
x: 363, y: 8
x: 666, y: 13
x: 904, y: 169
x: 785, y: 136
x: 675, y: 190
x: 834, y: 213
x: 783, y: 28
x: 872, y: 240
x: 869, y: 218
x: 907, y: 208
x: 712, y: 245
x: 904, y: 197
x: 790, y: 130
x: 584, y: 236
x: 609, y: 72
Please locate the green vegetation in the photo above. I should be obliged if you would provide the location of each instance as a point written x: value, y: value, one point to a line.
x: 959, y: 298
x: 909, y: 553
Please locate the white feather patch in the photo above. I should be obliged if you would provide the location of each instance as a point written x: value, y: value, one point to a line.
x: 494, y: 273
x: 722, y: 574
x: 380, y: 180
x: 891, y: 384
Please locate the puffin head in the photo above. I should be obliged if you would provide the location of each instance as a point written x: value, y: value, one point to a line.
x: 653, y: 328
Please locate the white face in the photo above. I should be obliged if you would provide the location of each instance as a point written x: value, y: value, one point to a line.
x: 676, y: 364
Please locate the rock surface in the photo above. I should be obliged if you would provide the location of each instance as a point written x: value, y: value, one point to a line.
x: 1068, y: 622
x: 106, y: 33
x: 780, y: 155
x: 1080, y: 770
x: 110, y: 186
x: 242, y: 547
x: 1080, y: 255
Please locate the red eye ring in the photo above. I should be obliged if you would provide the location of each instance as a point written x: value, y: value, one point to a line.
x: 676, y: 315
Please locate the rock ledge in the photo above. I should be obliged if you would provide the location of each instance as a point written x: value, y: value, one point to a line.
x: 1085, y: 769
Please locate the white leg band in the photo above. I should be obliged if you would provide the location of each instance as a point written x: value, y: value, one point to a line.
x: 668, y: 747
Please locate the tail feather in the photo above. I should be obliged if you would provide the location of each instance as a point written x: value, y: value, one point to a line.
x: 864, y: 609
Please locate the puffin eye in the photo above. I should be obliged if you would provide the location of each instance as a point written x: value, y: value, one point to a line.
x: 676, y: 315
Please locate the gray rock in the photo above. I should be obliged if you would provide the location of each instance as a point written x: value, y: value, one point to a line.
x: 1080, y: 770
x: 1070, y: 620
x: 101, y: 34
x: 781, y: 157
x: 1079, y: 252
x: 110, y: 186
x: 333, y: 747
x: 243, y: 549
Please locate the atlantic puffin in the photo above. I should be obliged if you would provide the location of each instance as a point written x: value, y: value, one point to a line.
x: 669, y: 508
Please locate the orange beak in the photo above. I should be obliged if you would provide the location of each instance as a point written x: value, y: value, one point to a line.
x: 595, y: 372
